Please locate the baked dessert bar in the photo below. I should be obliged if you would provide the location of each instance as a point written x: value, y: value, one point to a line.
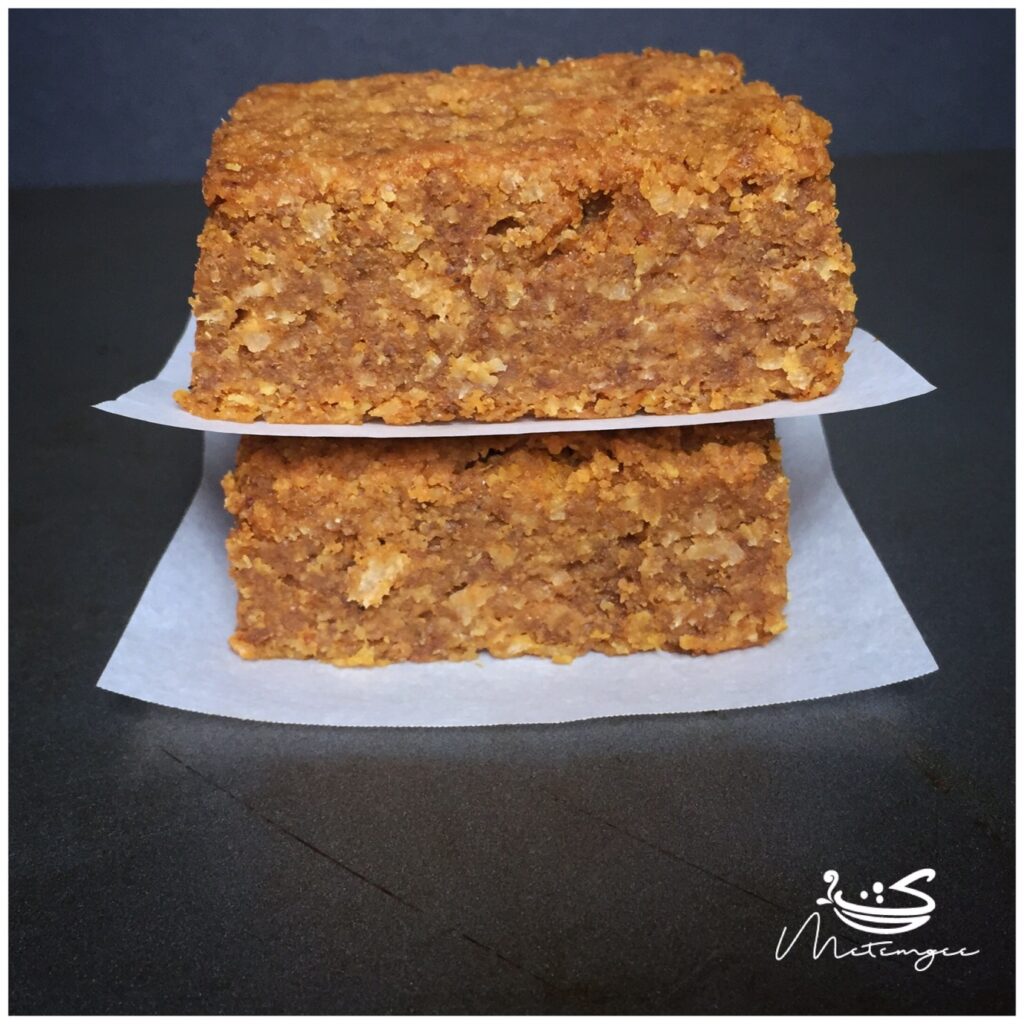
x: 589, y: 238
x: 364, y: 552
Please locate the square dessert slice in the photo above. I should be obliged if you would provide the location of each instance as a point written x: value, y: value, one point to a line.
x: 364, y: 552
x: 592, y: 238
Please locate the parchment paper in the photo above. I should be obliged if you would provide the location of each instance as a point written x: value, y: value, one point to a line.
x: 874, y: 375
x: 848, y: 630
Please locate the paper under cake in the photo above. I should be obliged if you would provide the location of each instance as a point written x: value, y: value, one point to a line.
x: 588, y: 238
x: 364, y: 552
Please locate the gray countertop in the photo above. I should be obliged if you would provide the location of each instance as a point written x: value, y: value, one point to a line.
x: 169, y: 862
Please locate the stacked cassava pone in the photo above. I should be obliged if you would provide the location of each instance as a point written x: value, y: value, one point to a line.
x: 579, y: 240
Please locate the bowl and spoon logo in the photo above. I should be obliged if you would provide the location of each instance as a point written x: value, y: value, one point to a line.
x: 880, y: 910
x: 877, y: 912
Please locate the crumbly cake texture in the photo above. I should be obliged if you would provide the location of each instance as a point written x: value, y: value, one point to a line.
x: 589, y: 238
x: 365, y: 552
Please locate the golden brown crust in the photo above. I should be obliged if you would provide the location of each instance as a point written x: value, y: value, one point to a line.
x: 287, y: 143
x: 363, y: 552
x: 589, y: 238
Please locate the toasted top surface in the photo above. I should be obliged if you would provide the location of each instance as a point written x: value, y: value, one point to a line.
x: 294, y: 141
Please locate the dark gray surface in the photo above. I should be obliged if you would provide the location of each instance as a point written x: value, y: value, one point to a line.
x: 165, y: 861
x: 102, y: 96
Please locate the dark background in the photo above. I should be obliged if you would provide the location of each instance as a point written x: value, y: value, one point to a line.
x: 132, y: 96
x: 176, y: 863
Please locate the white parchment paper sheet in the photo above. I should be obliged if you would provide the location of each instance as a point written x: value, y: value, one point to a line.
x: 848, y: 630
x: 874, y: 375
